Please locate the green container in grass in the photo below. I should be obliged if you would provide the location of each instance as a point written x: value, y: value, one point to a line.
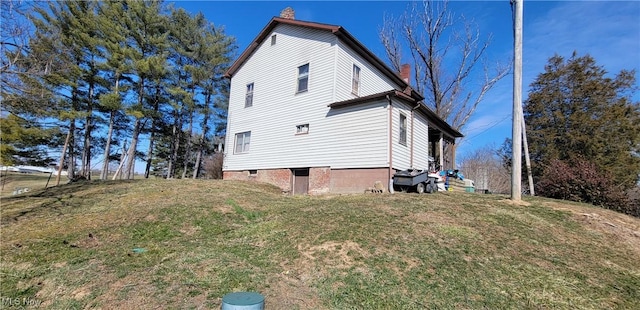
x: 469, y: 186
x: 243, y: 301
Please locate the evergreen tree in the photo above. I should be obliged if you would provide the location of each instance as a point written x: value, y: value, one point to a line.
x: 125, y: 65
x: 576, y: 112
x: 115, y: 70
x: 148, y: 35
x: 25, y: 142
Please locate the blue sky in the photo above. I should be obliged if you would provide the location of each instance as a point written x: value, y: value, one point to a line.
x: 607, y: 30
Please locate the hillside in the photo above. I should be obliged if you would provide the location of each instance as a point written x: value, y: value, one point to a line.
x: 185, y: 243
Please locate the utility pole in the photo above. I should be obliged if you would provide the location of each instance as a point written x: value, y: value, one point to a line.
x: 527, y: 160
x: 516, y: 168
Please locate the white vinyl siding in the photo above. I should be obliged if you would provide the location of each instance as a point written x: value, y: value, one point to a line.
x: 278, y: 109
x: 420, y: 141
x: 372, y: 81
x: 350, y: 137
x: 401, y: 153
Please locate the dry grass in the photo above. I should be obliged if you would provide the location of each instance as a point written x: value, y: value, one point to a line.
x: 11, y: 182
x: 73, y: 247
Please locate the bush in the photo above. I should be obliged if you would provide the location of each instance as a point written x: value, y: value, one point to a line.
x: 579, y: 180
x: 212, y: 166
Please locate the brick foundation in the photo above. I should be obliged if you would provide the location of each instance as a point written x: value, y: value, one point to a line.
x: 319, y: 180
x: 322, y: 180
x: 344, y: 181
x: 277, y: 177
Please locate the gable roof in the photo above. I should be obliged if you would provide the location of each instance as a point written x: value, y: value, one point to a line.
x: 338, y: 31
x: 408, y: 94
x: 432, y: 117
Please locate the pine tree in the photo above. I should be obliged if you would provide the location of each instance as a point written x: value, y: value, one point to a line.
x: 148, y: 38
x: 577, y: 112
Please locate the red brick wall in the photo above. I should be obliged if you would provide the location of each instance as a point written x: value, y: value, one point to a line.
x: 357, y: 180
x: 277, y: 177
x: 322, y: 180
x: 319, y: 180
x: 235, y: 175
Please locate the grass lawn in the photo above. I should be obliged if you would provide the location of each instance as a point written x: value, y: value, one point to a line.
x: 10, y: 182
x: 186, y: 243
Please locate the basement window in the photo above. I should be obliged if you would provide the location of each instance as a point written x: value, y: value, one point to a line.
x: 253, y: 173
x: 302, y: 129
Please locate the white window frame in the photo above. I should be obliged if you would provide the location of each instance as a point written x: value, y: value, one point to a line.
x: 302, y: 76
x: 402, y: 126
x: 248, y: 98
x: 242, y: 143
x: 302, y: 129
x: 355, y: 80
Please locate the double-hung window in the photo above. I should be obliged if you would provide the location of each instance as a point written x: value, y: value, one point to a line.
x: 303, y: 78
x: 243, y: 140
x: 355, y: 80
x: 403, y: 129
x: 248, y: 99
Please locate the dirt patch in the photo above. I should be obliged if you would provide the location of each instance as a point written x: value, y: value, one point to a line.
x: 520, y: 203
x: 291, y: 291
x: 336, y: 254
x: 294, y: 287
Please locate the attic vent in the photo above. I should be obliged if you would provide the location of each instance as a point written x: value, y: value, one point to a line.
x: 288, y: 13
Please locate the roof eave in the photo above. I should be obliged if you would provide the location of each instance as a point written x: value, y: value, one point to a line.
x: 432, y: 116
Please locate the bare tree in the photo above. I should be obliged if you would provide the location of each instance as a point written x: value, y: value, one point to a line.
x: 486, y: 169
x: 20, y: 64
x: 447, y: 55
x: 14, y: 33
x: 212, y: 166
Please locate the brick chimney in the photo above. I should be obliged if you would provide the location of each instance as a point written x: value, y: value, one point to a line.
x: 288, y: 13
x: 405, y: 72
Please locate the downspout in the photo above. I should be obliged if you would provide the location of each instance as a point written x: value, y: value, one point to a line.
x: 229, y: 140
x: 390, y: 176
x: 441, y: 150
x: 411, y: 142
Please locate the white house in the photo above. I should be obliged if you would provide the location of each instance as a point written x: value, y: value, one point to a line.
x: 312, y: 110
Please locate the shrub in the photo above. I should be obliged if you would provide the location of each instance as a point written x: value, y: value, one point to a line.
x: 212, y: 166
x: 580, y: 180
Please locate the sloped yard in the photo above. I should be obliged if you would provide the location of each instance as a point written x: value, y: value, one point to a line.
x: 186, y: 243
